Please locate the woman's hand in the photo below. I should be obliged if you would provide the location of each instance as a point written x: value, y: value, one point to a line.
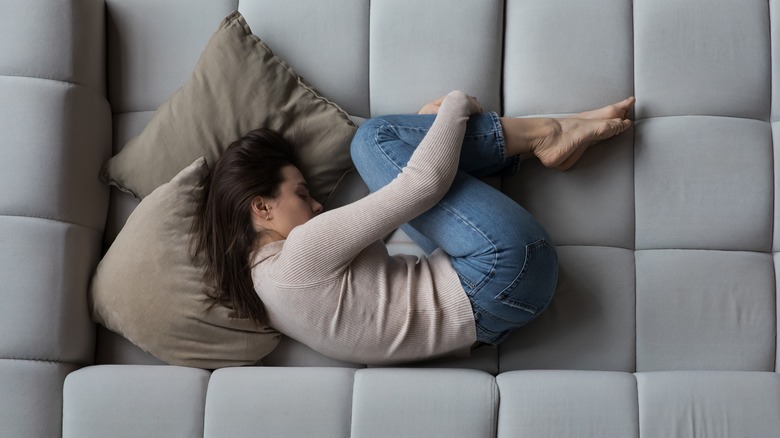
x: 433, y: 106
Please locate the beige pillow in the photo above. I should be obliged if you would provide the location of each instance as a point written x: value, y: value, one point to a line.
x: 237, y: 85
x: 148, y: 289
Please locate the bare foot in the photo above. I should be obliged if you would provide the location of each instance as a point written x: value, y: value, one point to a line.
x: 618, y: 110
x: 572, y: 136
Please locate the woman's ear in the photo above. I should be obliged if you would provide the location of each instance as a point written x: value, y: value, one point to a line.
x: 260, y: 209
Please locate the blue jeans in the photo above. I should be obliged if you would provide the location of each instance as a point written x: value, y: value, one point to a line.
x: 506, y: 261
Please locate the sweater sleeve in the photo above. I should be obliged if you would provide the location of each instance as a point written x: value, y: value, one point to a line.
x: 324, y: 246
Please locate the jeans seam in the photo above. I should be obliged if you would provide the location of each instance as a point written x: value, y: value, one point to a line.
x: 476, y: 288
x: 380, y: 146
x: 502, y: 296
x: 495, y: 338
x: 498, y: 131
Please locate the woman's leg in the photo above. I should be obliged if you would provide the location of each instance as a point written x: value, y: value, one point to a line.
x: 482, y: 154
x: 505, y: 260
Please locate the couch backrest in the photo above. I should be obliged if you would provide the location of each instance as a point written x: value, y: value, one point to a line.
x: 54, y: 135
x: 665, y: 235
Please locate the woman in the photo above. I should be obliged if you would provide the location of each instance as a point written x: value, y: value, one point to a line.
x: 327, y: 280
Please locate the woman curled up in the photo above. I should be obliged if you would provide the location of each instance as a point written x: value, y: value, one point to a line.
x: 326, y: 278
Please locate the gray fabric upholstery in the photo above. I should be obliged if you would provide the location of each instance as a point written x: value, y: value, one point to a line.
x: 664, y: 323
x: 131, y: 401
x: 31, y: 397
x: 155, y: 401
x: 402, y: 80
x: 55, y: 128
x: 677, y: 73
x: 234, y: 408
x: 336, y: 65
x: 424, y: 403
x: 568, y: 404
x: 595, y: 299
x: 679, y: 404
x: 552, y: 49
x: 713, y: 204
x: 149, y: 55
x: 70, y: 34
x: 705, y: 310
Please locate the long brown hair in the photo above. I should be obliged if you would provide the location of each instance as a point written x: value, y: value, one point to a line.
x: 223, y: 230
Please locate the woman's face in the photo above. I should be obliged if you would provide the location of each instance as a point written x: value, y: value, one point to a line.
x: 293, y: 205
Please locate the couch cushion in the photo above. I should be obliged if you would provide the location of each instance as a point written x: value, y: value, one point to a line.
x: 238, y: 85
x: 424, y: 403
x: 61, y: 41
x: 592, y: 204
x: 45, y: 268
x: 133, y: 401
x: 31, y: 397
x: 148, y: 288
x: 705, y: 310
x: 567, y: 404
x: 279, y: 402
x: 566, y: 55
x: 152, y: 47
x: 423, y: 50
x: 704, y: 183
x: 696, y: 57
x: 55, y: 138
x: 728, y: 404
x: 334, y: 65
x: 591, y: 322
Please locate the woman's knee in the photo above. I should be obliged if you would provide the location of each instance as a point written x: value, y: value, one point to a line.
x: 364, y: 143
x: 363, y: 149
x: 377, y: 153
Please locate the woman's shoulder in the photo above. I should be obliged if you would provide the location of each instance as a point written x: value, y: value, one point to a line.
x: 265, y: 252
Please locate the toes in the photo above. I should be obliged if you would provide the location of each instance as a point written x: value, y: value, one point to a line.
x: 609, y: 129
x: 625, y: 106
x: 620, y: 109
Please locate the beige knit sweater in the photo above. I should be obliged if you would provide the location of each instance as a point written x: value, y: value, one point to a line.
x: 332, y: 285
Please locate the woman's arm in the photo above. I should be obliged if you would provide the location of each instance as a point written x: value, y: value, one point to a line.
x: 321, y: 248
x: 433, y: 106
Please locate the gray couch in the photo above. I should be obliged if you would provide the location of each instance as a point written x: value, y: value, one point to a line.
x: 664, y: 323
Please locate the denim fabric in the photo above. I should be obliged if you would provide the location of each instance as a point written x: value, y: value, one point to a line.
x: 506, y: 261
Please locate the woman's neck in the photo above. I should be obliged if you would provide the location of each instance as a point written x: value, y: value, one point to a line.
x: 265, y: 238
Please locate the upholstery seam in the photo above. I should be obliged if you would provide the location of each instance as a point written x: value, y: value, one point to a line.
x: 772, y: 120
x: 125, y: 112
x: 76, y: 84
x: 638, y: 411
x: 50, y: 219
x: 352, y: 403
x: 557, y: 245
x: 635, y: 250
x: 636, y: 119
x: 49, y: 361
x: 706, y: 249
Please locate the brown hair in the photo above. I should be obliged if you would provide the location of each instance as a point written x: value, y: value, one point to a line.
x: 223, y: 229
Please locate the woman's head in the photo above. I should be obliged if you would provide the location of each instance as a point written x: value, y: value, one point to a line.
x: 290, y: 205
x: 254, y: 191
